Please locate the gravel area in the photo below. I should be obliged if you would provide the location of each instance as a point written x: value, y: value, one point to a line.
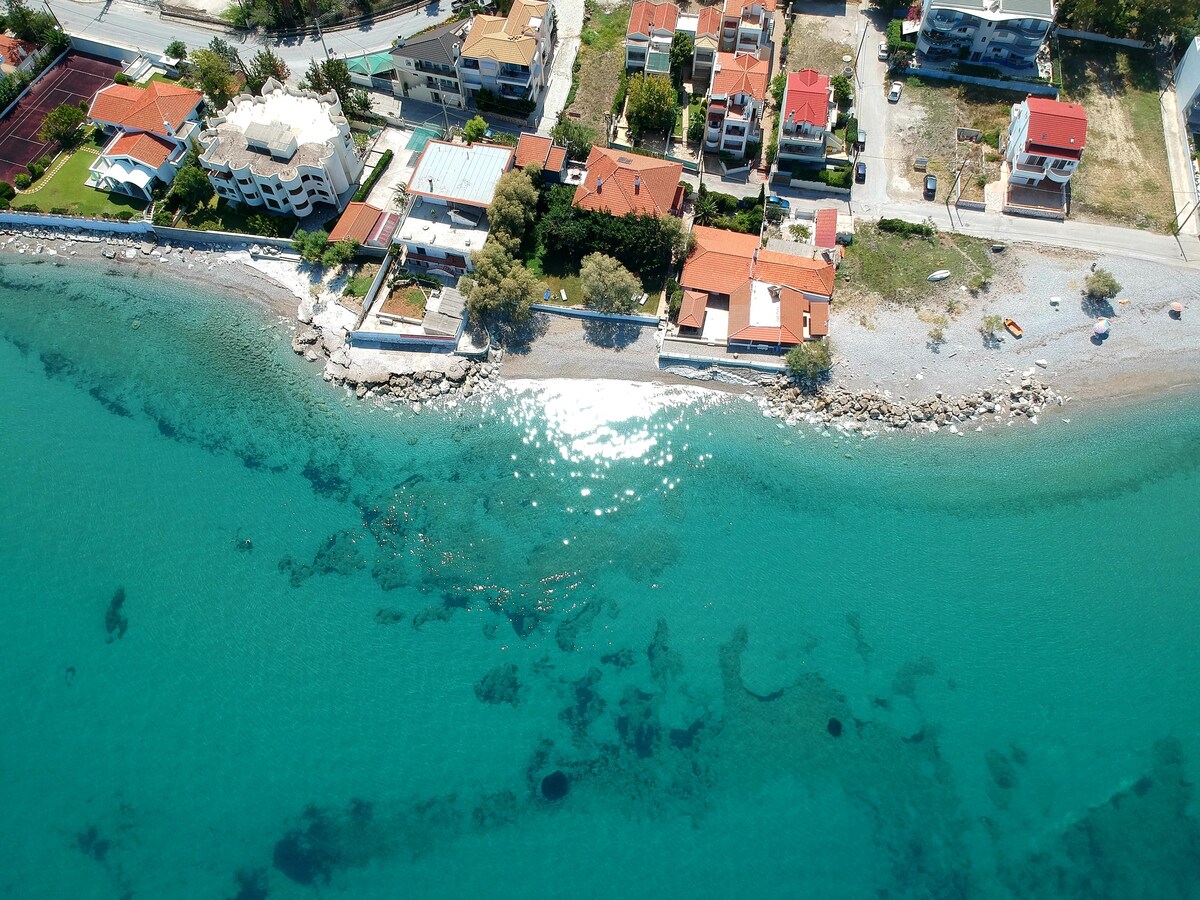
x: 1146, y: 350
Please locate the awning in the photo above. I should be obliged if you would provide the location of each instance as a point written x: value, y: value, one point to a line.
x: 371, y: 64
x: 127, y: 173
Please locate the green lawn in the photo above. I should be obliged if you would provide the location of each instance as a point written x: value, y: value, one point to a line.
x: 897, y: 268
x: 159, y: 76
x: 218, y: 215
x: 66, y: 189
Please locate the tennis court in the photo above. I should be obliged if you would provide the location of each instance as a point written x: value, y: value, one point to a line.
x: 76, y: 78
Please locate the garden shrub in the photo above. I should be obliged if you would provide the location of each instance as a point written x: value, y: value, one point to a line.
x: 22, y: 181
x: 906, y: 229
x: 7, y: 191
x: 121, y: 78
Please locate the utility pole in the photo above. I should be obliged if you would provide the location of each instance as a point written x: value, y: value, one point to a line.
x: 320, y: 34
x: 50, y: 10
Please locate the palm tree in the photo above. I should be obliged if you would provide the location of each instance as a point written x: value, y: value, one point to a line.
x: 705, y: 209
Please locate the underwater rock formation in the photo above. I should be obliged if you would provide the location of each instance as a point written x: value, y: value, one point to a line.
x: 251, y: 885
x: 115, y: 622
x: 90, y: 843
x: 834, y: 727
x: 664, y: 662
x: 500, y: 685
x: 389, y: 616
x: 622, y: 659
x: 587, y: 707
x: 555, y: 785
x: 577, y: 621
x: 637, y: 725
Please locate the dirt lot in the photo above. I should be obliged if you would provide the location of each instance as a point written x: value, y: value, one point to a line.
x: 601, y: 60
x: 821, y: 36
x: 928, y: 118
x: 1124, y: 177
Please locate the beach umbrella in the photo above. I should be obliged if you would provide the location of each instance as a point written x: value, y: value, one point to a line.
x: 1101, y: 326
x: 1177, y: 308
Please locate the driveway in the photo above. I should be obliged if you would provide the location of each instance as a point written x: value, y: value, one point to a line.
x: 570, y: 25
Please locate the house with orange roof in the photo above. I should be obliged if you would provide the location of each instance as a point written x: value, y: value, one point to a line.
x: 649, y: 35
x: 620, y: 182
x: 736, y: 293
x: 735, y: 103
x: 706, y: 41
x: 365, y: 224
x: 509, y: 55
x: 544, y: 153
x: 16, y: 55
x: 152, y: 128
x: 806, y: 120
x: 746, y: 25
x: 1045, y: 141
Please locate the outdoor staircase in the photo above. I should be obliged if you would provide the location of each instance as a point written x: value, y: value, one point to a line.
x: 139, y: 69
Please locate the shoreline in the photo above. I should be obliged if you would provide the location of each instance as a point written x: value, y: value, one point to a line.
x: 893, y: 376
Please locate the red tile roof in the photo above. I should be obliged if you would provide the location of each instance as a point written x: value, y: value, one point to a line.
x: 737, y: 7
x: 825, y: 234
x: 620, y: 182
x: 14, y: 51
x: 818, y: 319
x: 534, y: 148
x: 646, y: 16
x: 356, y: 223
x: 721, y: 261
x: 145, y: 109
x: 693, y: 309
x: 1056, y: 128
x: 145, y: 148
x: 709, y: 22
x: 807, y: 98
x: 740, y: 73
x: 790, y: 330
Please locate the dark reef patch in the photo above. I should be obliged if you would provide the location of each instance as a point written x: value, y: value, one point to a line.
x: 500, y: 685
x: 251, y: 885
x: 114, y: 406
x: 308, y: 854
x: 665, y: 663
x: 834, y: 727
x: 115, y: 621
x: 556, y: 785
x: 637, y: 725
x: 622, y: 658
x: 578, y: 621
x: 863, y: 649
x: 389, y: 616
x: 587, y: 707
x: 326, y: 480
x: 684, y: 738
x: 91, y: 844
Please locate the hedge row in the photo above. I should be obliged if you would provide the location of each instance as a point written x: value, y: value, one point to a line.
x: 907, y: 229
x: 365, y: 188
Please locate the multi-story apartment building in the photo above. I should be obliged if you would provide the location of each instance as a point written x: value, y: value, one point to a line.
x: 1045, y: 141
x: 426, y: 65
x: 649, y: 36
x: 287, y: 150
x: 1006, y: 33
x: 1187, y: 85
x: 746, y: 25
x: 509, y: 55
x: 806, y: 120
x: 735, y: 103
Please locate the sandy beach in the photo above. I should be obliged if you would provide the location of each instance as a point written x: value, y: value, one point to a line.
x: 881, y: 347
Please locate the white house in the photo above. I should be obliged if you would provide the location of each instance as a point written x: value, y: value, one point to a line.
x: 452, y: 186
x: 509, y: 55
x: 1045, y: 141
x: 287, y: 151
x: 151, y: 128
x: 1007, y: 33
x: 806, y: 120
x: 735, y: 103
x: 1187, y: 85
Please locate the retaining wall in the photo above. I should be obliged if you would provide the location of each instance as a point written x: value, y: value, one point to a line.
x: 1017, y: 87
x: 592, y: 314
x: 47, y: 220
x: 1102, y: 38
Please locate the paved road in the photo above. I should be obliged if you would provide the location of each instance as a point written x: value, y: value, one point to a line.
x: 875, y: 114
x: 140, y: 26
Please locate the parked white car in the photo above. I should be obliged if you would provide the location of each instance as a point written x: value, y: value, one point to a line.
x: 883, y: 50
x: 894, y: 93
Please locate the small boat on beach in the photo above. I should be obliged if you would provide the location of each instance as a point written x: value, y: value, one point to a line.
x: 1014, y: 329
x: 940, y: 275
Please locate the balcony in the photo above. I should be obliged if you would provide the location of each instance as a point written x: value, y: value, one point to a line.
x: 514, y: 75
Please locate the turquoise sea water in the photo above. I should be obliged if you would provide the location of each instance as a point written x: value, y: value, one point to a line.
x: 263, y: 640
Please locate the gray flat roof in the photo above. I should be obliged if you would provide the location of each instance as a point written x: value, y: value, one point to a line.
x: 460, y: 173
x: 1042, y: 9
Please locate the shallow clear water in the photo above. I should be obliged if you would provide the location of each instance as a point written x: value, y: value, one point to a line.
x: 354, y: 641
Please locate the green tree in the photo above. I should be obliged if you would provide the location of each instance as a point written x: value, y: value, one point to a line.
x: 811, y: 360
x: 62, y: 124
x: 475, y: 129
x: 311, y: 245
x: 333, y: 76
x: 214, y: 76
x: 677, y: 240
x: 778, y: 89
x: 513, y: 209
x: 500, y: 288
x: 608, y: 286
x: 190, y: 189
x: 177, y: 49
x: 650, y: 107
x: 682, y: 49
x: 34, y: 26
x: 842, y: 89
x: 263, y: 65
x: 1101, y: 285
x: 576, y: 137
x: 229, y: 53
x: 337, y: 255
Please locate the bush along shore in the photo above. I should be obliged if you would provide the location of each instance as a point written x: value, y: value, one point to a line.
x: 870, y: 412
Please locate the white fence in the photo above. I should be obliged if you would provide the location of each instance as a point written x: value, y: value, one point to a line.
x: 1017, y: 87
x: 29, y: 86
x: 102, y: 226
x: 219, y: 237
x: 1103, y: 39
x: 592, y: 314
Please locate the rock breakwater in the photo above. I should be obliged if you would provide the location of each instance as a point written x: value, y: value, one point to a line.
x: 873, y: 411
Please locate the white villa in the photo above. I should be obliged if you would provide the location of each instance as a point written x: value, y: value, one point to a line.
x: 1007, y: 33
x: 287, y: 151
x: 806, y: 120
x: 452, y: 186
